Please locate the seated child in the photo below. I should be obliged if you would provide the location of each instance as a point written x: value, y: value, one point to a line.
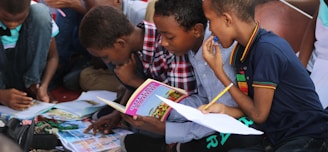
x: 123, y: 46
x: 279, y: 94
x: 28, y: 56
x: 182, y: 25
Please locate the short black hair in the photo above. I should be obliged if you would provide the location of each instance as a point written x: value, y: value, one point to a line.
x: 102, y: 25
x: 243, y: 9
x: 15, y: 6
x: 187, y: 12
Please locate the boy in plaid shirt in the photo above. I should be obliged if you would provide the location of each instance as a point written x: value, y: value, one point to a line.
x: 133, y: 53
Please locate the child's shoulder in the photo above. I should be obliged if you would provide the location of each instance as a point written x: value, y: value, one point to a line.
x: 271, y: 43
x: 269, y: 37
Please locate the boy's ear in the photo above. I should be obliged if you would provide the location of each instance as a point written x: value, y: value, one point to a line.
x: 120, y: 43
x: 198, y: 29
x: 227, y: 19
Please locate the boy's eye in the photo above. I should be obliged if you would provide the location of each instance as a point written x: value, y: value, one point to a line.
x: 170, y: 38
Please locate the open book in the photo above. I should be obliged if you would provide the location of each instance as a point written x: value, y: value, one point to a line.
x: 37, y: 108
x: 85, y: 105
x: 220, y: 122
x: 144, y: 102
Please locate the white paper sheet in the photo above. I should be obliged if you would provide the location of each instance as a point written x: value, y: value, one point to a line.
x: 220, y: 122
x: 92, y: 95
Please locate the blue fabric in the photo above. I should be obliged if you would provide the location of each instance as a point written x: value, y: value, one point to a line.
x: 322, y: 14
x: 24, y: 65
x: 135, y: 10
x: 73, y: 57
x: 67, y: 40
x: 296, y: 109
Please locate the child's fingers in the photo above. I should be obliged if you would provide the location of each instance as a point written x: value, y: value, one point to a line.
x: 88, y: 129
x: 217, y: 50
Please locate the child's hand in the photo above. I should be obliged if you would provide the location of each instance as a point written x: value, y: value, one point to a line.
x: 15, y: 99
x: 212, y: 54
x: 145, y: 123
x: 105, y: 124
x: 61, y: 3
x: 42, y: 94
x: 215, y: 108
x: 127, y: 72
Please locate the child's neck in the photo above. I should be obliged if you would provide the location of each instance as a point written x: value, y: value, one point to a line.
x: 245, y: 32
x: 198, y: 44
x: 137, y: 39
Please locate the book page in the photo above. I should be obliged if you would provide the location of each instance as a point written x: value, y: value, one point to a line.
x: 220, y: 122
x: 76, y: 140
x: 93, y: 94
x: 37, y: 108
x: 144, y: 102
x: 87, y: 103
x: 80, y: 108
x: 113, y: 104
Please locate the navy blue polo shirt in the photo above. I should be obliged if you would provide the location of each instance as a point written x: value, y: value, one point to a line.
x: 296, y: 109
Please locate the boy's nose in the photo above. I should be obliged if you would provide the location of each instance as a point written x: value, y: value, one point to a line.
x: 163, y: 42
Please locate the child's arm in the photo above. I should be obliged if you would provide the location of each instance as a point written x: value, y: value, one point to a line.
x: 127, y: 73
x: 257, y: 109
x: 73, y: 4
x: 50, y: 69
x: 307, y: 44
x: 15, y: 99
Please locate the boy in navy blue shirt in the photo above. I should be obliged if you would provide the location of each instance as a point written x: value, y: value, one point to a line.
x: 279, y: 94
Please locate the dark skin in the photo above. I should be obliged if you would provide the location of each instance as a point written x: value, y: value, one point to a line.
x: 308, y: 41
x: 17, y: 99
x: 92, y: 3
x: 73, y: 4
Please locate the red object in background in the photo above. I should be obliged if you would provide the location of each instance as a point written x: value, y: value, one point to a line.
x: 62, y: 94
x: 53, y: 15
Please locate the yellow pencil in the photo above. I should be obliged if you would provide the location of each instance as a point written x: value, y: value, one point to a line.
x: 218, y: 96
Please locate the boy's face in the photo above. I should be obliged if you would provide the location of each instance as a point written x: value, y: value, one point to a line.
x: 12, y: 20
x: 173, y: 36
x: 111, y: 55
x: 218, y: 25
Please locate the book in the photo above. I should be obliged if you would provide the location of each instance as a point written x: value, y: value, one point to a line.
x: 85, y: 105
x: 143, y: 101
x: 78, y: 141
x: 29, y: 113
x: 220, y: 122
x: 82, y: 107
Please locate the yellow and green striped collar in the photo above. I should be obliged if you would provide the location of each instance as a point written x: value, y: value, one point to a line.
x: 238, y: 47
